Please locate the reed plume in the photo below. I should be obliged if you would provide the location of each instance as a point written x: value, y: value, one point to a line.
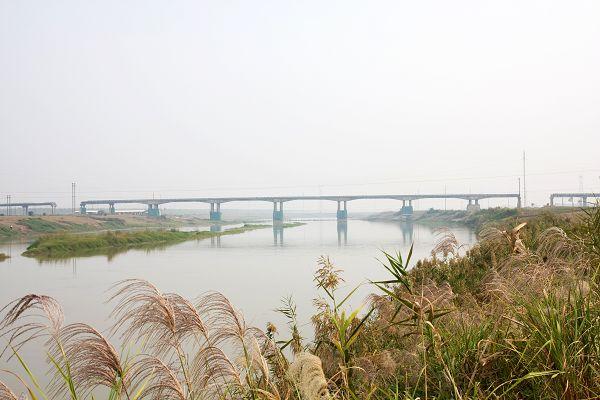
x: 214, y: 375
x: 497, y: 238
x: 6, y: 393
x: 28, y: 318
x: 306, y: 372
x: 164, y: 320
x: 446, y: 243
x: 555, y: 245
x: 155, y: 380
x: 93, y: 361
x: 228, y: 327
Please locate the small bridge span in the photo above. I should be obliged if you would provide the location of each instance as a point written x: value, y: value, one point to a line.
x: 575, y: 195
x: 25, y: 206
x: 342, y: 201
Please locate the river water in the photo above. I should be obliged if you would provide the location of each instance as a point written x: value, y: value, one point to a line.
x: 254, y: 269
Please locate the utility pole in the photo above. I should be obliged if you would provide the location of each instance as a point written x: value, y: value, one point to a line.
x: 519, y: 189
x: 73, y: 198
x: 8, y: 205
x: 524, y: 187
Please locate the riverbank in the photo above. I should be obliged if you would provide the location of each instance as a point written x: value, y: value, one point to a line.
x: 72, y: 245
x: 514, y: 317
x: 3, y: 257
x: 475, y: 220
x: 26, y: 228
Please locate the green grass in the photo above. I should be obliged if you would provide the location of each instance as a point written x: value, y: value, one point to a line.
x: 7, y: 233
x: 292, y: 224
x: 475, y: 220
x: 68, y: 245
x: 39, y: 225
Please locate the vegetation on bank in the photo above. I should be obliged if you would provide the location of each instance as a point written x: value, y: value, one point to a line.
x: 517, y: 316
x: 26, y: 227
x: 292, y: 224
x: 69, y: 245
x: 475, y: 220
x: 3, y: 256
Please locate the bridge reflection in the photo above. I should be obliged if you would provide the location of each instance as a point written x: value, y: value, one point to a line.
x: 342, y: 233
x: 215, y: 241
x: 407, y: 229
x: 278, y: 234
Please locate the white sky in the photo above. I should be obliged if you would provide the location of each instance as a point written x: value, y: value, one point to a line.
x: 195, y: 98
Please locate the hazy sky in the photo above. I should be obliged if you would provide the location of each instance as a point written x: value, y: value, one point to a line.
x: 199, y: 98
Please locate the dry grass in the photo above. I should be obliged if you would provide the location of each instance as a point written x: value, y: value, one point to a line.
x: 92, y: 361
x: 28, y: 318
x: 6, y: 393
x: 306, y: 372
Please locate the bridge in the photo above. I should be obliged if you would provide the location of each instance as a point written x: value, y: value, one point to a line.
x: 26, y: 206
x: 342, y: 201
x: 575, y: 195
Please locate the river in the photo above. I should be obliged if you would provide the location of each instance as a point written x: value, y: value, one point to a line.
x: 254, y: 269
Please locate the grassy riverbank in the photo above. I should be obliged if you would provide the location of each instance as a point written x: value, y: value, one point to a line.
x: 476, y: 220
x: 516, y: 317
x: 70, y: 245
x: 24, y: 227
x: 3, y: 257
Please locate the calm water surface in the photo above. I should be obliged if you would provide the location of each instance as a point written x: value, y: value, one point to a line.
x: 254, y: 270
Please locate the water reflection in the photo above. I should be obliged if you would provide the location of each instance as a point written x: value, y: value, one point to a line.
x: 342, y: 233
x: 216, y: 227
x: 407, y: 229
x: 278, y: 234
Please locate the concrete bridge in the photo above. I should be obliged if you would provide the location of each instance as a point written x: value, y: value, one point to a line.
x: 575, y: 195
x: 25, y: 206
x: 342, y: 202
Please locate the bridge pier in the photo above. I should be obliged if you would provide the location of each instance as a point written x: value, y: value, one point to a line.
x: 342, y: 214
x: 215, y: 211
x: 111, y: 208
x: 82, y: 209
x: 406, y: 210
x: 473, y: 205
x: 25, y: 210
x: 278, y: 214
x: 153, y: 210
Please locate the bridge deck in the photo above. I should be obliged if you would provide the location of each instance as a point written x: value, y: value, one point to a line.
x: 575, y: 194
x: 406, y: 197
x: 49, y: 204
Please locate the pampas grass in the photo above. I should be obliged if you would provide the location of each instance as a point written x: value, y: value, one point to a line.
x: 6, y: 393
x: 28, y: 318
x: 306, y: 372
x: 92, y: 361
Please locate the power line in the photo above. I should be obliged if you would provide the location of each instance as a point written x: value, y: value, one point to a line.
x: 423, y: 180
